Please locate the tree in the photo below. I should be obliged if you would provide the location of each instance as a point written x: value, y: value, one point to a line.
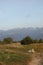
x: 35, y: 41
x: 40, y: 41
x: 7, y: 40
x: 26, y: 40
x: 0, y: 42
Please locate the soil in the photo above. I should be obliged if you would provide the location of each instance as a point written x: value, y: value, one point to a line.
x: 36, y: 59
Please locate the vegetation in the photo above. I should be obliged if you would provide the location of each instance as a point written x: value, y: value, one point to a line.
x: 11, y: 58
x: 26, y: 40
x: 7, y: 40
x: 0, y: 42
x: 17, y: 54
x: 40, y: 41
x: 13, y: 55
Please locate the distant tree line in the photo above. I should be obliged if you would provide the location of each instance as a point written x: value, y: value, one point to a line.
x: 29, y: 40
x: 6, y: 41
x: 24, y: 41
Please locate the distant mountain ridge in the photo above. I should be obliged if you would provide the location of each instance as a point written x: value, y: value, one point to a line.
x: 20, y: 33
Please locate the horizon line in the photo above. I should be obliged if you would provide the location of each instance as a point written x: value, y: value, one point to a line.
x: 20, y: 28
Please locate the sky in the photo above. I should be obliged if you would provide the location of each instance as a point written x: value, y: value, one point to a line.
x: 21, y: 14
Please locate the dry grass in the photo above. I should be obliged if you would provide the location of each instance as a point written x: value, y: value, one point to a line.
x: 17, y: 53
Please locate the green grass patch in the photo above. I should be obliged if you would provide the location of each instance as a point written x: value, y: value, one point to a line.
x: 10, y: 57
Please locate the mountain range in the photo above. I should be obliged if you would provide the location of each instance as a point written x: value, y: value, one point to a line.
x: 19, y: 33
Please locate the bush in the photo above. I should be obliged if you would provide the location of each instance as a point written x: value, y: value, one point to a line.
x: 0, y: 42
x: 35, y: 41
x: 26, y: 40
x: 40, y: 41
x: 7, y: 40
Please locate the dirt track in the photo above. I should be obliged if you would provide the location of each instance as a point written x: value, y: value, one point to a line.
x: 36, y: 59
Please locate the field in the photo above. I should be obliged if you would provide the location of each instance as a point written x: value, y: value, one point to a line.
x: 17, y: 54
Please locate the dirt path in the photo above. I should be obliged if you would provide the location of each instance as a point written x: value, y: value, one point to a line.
x: 36, y: 58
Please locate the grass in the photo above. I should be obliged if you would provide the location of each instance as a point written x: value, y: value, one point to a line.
x: 7, y: 58
x: 17, y: 55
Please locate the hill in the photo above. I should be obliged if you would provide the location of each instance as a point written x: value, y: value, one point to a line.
x: 20, y: 33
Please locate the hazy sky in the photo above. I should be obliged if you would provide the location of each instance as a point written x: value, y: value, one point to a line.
x: 21, y: 13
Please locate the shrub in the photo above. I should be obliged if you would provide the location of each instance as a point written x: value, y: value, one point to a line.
x: 7, y: 40
x: 26, y: 40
